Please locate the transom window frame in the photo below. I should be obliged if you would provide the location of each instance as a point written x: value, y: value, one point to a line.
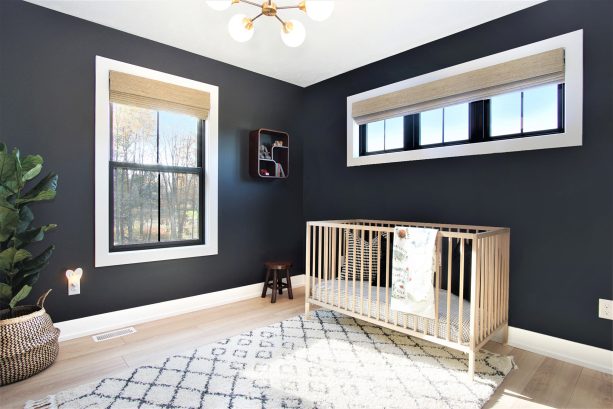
x: 572, y: 116
x: 478, y: 131
x: 105, y: 254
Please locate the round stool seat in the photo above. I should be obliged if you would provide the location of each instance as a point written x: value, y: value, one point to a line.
x: 278, y: 265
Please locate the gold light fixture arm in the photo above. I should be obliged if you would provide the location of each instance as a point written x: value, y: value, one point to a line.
x: 270, y: 9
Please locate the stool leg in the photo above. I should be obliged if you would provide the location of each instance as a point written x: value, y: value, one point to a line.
x: 273, y: 299
x: 289, y: 285
x: 266, y: 283
x: 280, y: 284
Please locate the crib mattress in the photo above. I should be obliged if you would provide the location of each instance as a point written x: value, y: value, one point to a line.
x: 329, y: 294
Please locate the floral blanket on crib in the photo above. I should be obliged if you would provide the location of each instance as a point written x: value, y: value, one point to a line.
x: 413, y: 265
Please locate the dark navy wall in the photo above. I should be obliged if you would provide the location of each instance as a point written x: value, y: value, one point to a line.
x: 557, y: 202
x: 47, y: 107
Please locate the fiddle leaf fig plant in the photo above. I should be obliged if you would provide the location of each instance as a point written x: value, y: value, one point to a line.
x: 19, y: 268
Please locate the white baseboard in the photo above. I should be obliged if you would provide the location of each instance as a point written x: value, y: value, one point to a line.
x: 587, y: 356
x: 580, y: 354
x: 95, y: 324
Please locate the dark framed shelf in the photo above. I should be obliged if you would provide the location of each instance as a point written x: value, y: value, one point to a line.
x: 276, y: 166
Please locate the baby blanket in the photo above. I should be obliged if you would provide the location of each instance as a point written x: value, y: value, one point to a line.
x: 413, y: 264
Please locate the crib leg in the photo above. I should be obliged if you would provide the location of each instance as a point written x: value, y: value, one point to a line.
x: 307, y: 311
x: 505, y: 334
x: 471, y: 366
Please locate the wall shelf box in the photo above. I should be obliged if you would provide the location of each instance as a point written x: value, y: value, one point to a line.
x: 276, y: 164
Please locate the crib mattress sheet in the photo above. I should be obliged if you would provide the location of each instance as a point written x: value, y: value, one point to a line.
x: 328, y: 292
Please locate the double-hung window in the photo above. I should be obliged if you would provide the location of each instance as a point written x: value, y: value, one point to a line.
x: 522, y: 99
x: 156, y: 179
x: 156, y: 165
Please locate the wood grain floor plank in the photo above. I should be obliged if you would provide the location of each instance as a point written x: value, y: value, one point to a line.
x: 538, y: 382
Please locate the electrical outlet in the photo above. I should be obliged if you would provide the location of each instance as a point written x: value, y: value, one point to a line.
x: 605, y: 309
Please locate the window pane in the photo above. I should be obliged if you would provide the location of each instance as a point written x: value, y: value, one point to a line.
x: 135, y: 207
x: 541, y: 108
x: 134, y: 132
x: 505, y: 114
x: 431, y: 127
x: 375, y: 138
x: 394, y: 133
x: 456, y: 123
x: 179, y: 206
x: 178, y: 140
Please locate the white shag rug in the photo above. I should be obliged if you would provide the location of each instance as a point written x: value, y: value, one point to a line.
x: 329, y: 361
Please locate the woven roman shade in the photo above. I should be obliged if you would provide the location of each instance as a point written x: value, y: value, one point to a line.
x: 538, y: 69
x: 147, y: 93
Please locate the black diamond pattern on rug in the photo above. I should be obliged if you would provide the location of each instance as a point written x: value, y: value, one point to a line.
x: 328, y: 361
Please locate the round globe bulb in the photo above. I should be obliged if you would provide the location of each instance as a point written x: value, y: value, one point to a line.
x: 219, y: 5
x: 319, y: 10
x: 240, y: 28
x: 293, y: 33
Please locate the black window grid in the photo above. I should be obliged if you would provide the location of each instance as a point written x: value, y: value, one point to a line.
x: 478, y: 128
x: 198, y: 170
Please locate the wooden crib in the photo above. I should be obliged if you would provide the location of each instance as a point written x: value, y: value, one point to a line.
x: 348, y: 269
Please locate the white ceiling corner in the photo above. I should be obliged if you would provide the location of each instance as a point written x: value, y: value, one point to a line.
x: 358, y: 33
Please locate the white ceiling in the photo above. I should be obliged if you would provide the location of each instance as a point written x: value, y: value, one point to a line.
x: 358, y: 33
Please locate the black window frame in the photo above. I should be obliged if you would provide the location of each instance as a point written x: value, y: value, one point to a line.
x: 479, y: 125
x: 198, y: 170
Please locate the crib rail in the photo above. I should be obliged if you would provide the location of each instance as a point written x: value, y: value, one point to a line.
x: 472, y: 263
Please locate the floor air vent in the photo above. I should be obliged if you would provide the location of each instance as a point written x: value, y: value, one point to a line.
x: 114, y: 334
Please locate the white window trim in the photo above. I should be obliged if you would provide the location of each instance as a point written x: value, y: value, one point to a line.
x: 103, y: 257
x: 573, y: 102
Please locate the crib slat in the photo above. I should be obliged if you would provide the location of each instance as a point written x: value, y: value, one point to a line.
x: 387, y: 277
x: 333, y: 271
x: 437, y: 285
x: 355, y: 238
x: 314, y: 261
x: 324, y: 271
x: 307, y: 265
x: 491, y: 288
x: 347, y: 270
x: 461, y: 297
x: 321, y: 232
x: 449, y: 248
x: 378, y: 274
x: 339, y: 263
x: 483, y: 288
x: 363, y: 238
x: 369, y: 271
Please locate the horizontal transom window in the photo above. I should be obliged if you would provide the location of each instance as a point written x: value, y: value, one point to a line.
x: 525, y: 113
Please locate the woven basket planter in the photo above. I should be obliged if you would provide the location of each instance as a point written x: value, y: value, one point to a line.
x: 29, y: 342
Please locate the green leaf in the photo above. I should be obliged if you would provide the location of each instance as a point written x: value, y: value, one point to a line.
x: 9, y: 219
x: 23, y: 293
x: 25, y: 219
x: 12, y: 256
x: 10, y: 172
x: 44, y: 190
x: 6, y: 293
x: 31, y: 167
x: 36, y: 264
x: 32, y: 235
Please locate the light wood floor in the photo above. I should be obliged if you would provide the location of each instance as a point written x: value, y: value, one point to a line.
x: 540, y: 382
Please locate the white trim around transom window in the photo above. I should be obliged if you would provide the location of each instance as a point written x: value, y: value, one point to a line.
x: 103, y: 256
x: 573, y: 117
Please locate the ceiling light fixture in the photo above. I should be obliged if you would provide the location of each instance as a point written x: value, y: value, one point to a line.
x: 292, y: 31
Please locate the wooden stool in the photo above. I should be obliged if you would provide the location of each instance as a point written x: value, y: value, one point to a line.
x: 276, y: 280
